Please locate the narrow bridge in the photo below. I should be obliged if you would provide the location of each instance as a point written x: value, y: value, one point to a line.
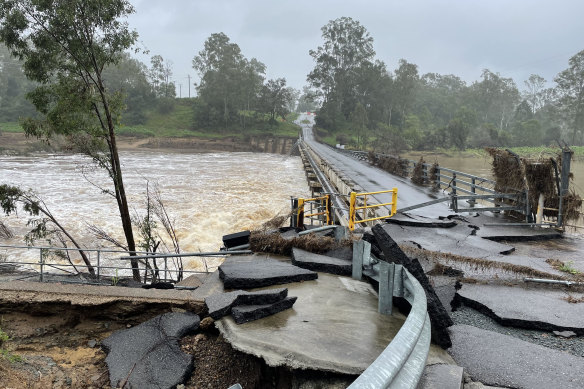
x: 360, y: 176
x: 340, y: 173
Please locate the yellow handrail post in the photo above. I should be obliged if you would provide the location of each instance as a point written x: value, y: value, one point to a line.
x: 300, y: 220
x: 352, y: 211
x: 327, y: 204
x: 353, y: 208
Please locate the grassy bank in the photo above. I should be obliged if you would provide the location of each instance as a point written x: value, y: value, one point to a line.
x: 179, y: 124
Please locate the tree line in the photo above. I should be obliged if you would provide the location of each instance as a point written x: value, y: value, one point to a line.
x: 233, y: 93
x: 364, y: 103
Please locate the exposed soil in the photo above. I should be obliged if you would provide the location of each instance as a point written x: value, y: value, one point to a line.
x: 18, y: 143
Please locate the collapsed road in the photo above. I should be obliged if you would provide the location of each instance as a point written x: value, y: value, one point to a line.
x: 318, y: 326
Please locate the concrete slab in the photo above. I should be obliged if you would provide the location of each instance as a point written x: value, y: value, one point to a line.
x: 246, y: 313
x: 525, y: 307
x: 500, y: 360
x: 517, y: 234
x: 455, y: 240
x: 148, y: 355
x: 320, y: 263
x: 441, y: 377
x: 345, y: 253
x: 334, y: 326
x: 245, y: 272
x: 445, y: 290
x: 220, y: 304
x: 411, y: 220
x: 91, y: 295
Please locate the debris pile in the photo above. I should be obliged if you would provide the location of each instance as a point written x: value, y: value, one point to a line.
x: 539, y: 176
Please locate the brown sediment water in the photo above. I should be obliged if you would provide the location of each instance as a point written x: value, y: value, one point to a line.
x: 207, y: 195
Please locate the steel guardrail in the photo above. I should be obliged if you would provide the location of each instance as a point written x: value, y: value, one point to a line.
x: 401, y: 364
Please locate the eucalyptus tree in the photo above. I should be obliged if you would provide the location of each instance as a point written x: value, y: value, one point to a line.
x: 570, y: 87
x: 533, y: 94
x: 160, y: 74
x: 65, y: 45
x: 276, y: 98
x: 13, y: 88
x: 347, y: 46
x: 405, y: 84
x: 495, y: 98
x: 222, y: 68
x: 307, y: 102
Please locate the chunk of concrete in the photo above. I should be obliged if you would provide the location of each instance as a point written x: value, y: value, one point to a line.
x: 335, y: 327
x: 438, y: 315
x: 244, y: 313
x: 149, y: 355
x: 441, y: 377
x: 345, y: 253
x: 320, y: 263
x: 405, y: 219
x: 500, y: 360
x: 240, y: 272
x: 220, y: 304
x: 456, y: 240
x: 532, y: 307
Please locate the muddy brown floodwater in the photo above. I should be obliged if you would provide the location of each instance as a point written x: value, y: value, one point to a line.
x: 208, y: 195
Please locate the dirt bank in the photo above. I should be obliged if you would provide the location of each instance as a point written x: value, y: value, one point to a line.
x: 18, y: 143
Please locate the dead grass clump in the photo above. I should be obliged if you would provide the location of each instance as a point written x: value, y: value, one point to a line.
x: 433, y: 174
x: 507, y: 170
x: 393, y: 165
x: 513, y: 174
x: 275, y: 222
x: 275, y: 244
x: 574, y: 300
x: 555, y: 263
x: 478, y: 263
x: 418, y: 177
x: 571, y: 206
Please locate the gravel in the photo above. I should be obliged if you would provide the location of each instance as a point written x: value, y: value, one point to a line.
x: 469, y: 316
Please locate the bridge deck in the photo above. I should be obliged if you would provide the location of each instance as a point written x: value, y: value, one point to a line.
x: 373, y: 179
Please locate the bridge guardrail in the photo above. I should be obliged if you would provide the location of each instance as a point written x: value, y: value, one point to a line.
x: 353, y: 207
x: 402, y: 362
x: 323, y: 208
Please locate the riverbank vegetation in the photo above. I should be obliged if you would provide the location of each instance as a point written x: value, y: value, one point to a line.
x: 234, y: 98
x: 368, y: 106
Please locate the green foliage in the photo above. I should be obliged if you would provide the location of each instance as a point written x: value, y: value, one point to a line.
x: 568, y: 268
x: 66, y: 47
x: 571, y: 95
x: 12, y: 358
x: 347, y: 50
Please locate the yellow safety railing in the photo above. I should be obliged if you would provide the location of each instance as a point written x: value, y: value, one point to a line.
x: 353, y: 208
x: 322, y: 202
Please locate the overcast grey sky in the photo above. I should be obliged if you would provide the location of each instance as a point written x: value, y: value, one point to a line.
x: 513, y: 37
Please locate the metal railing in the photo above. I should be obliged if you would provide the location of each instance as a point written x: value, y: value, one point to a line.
x: 354, y: 208
x: 152, y: 271
x: 402, y: 362
x: 322, y: 206
x: 473, y: 187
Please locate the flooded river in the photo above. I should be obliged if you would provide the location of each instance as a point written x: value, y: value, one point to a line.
x: 208, y: 194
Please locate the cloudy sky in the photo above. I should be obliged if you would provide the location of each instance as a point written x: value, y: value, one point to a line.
x: 513, y: 37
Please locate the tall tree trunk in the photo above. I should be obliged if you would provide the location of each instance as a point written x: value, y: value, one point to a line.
x: 120, y: 191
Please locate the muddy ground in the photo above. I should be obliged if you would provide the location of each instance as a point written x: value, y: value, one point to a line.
x: 59, y: 348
